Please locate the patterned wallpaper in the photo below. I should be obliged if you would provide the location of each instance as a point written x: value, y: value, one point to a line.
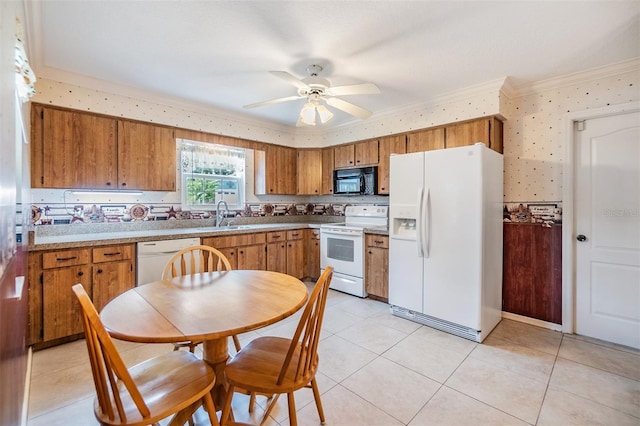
x: 533, y: 133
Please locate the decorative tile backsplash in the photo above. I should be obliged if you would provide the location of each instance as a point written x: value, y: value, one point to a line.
x: 49, y: 214
x: 544, y: 213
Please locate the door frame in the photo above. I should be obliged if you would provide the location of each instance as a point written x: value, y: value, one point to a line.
x: 568, y: 216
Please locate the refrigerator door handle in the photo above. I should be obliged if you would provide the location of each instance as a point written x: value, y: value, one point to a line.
x: 419, y: 203
x: 427, y: 222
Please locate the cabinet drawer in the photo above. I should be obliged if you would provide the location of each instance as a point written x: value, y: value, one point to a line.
x: 296, y: 234
x: 276, y: 236
x: 314, y: 234
x: 58, y: 259
x: 235, y: 240
x: 111, y: 254
x: 381, y: 241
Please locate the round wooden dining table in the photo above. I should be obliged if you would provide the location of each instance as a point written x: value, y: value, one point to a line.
x: 206, y: 307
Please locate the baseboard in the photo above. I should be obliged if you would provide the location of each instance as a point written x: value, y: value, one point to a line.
x: 27, y: 389
x: 532, y: 321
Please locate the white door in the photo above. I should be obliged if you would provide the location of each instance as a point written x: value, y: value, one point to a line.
x: 607, y: 200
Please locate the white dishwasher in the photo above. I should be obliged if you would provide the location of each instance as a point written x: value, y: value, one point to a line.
x: 154, y: 255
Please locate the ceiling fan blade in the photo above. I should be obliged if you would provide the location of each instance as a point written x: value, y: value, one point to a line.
x: 349, y: 108
x: 290, y: 79
x: 272, y: 101
x: 355, y: 89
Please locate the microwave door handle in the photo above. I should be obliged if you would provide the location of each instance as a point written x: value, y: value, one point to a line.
x: 362, y: 183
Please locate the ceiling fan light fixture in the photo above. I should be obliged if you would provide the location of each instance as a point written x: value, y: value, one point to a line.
x: 324, y: 113
x: 308, y: 114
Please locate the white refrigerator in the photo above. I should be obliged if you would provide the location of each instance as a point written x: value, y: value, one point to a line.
x: 445, y: 239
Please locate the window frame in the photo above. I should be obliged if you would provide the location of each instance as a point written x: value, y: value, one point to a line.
x: 188, y: 165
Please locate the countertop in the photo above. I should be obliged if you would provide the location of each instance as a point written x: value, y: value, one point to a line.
x: 73, y: 236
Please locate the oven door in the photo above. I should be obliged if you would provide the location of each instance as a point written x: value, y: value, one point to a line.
x: 343, y: 250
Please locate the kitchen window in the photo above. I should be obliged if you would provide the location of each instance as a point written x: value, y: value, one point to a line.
x: 211, y: 173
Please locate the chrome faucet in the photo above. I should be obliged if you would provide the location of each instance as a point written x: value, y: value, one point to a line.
x: 220, y: 215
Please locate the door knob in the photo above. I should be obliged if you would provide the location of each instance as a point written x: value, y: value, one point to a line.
x: 581, y: 238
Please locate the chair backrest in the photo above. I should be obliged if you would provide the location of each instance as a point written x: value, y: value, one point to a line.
x: 307, y: 334
x: 195, y: 259
x: 106, y: 364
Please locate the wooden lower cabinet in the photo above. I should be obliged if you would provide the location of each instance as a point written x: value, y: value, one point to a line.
x: 312, y: 238
x: 295, y: 253
x: 286, y: 252
x: 377, y: 266
x: 532, y: 272
x: 244, y: 251
x: 113, y: 273
x: 54, y: 313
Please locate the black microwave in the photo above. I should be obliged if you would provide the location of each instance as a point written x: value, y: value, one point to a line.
x: 361, y: 181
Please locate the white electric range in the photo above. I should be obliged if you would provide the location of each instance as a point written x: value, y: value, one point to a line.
x: 342, y: 246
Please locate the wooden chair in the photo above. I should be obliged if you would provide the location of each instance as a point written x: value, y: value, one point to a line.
x: 193, y: 260
x: 276, y: 365
x: 149, y: 391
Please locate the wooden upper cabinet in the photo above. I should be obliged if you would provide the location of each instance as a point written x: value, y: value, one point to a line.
x: 425, y: 140
x: 344, y: 156
x: 387, y: 146
x: 487, y: 130
x: 72, y: 150
x: 327, y: 171
x: 146, y: 157
x: 275, y: 170
x: 310, y: 172
x: 358, y: 154
x: 367, y: 153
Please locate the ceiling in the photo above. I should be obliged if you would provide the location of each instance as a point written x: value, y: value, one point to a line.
x: 218, y: 54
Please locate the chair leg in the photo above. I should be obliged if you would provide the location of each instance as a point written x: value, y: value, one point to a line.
x: 316, y: 396
x: 211, y: 409
x: 236, y: 343
x: 252, y: 401
x: 272, y: 404
x: 226, y: 410
x: 291, y: 402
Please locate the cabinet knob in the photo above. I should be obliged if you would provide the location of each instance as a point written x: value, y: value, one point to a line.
x: 124, y: 183
x: 80, y: 273
x: 108, y: 183
x: 99, y: 271
x: 581, y: 238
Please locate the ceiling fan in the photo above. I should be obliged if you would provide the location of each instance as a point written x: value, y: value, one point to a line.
x: 318, y: 90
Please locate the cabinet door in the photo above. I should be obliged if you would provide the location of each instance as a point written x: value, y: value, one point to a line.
x: 229, y: 252
x: 366, y: 153
x: 487, y: 130
x: 277, y: 257
x: 327, y: 171
x: 377, y: 265
x: 146, y: 157
x: 275, y: 170
x: 344, y: 156
x: 425, y: 140
x: 73, y: 150
x: 61, y: 310
x: 377, y: 272
x: 295, y: 258
x: 532, y: 274
x: 111, y: 279
x: 34, y: 327
x: 389, y: 145
x: 252, y: 257
x: 309, y: 172
x: 313, y: 253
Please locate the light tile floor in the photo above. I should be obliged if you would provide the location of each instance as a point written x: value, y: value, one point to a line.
x: 377, y: 369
